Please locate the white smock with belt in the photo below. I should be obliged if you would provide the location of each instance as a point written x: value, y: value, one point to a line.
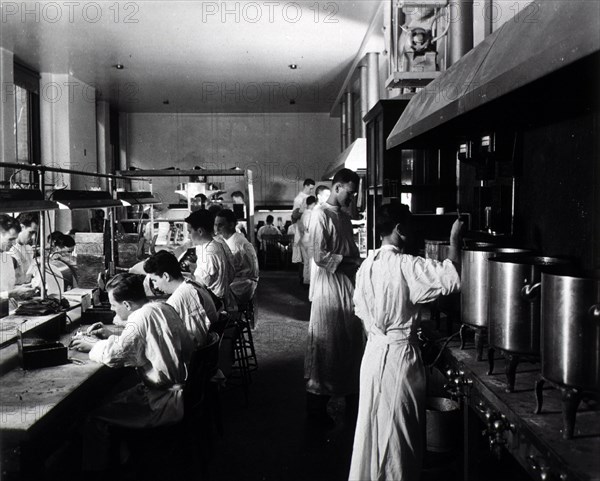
x: 389, y: 288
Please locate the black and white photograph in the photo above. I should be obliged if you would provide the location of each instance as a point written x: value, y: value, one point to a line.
x: 312, y: 240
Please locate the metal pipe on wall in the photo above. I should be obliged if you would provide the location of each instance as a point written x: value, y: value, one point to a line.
x: 373, y: 79
x: 461, y: 28
x: 42, y: 224
x: 364, y: 101
x: 349, y: 118
x: 343, y: 127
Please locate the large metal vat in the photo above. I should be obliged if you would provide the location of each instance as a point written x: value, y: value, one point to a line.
x: 570, y: 317
x: 514, y: 301
x: 474, y: 282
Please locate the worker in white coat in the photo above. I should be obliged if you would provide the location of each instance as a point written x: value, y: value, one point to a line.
x: 390, y: 286
x: 305, y: 246
x: 335, y: 337
x: 214, y: 264
x: 245, y: 260
x: 9, y: 230
x: 155, y: 342
x: 190, y: 300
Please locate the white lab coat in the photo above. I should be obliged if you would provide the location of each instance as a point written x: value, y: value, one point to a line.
x: 23, y: 254
x: 214, y: 269
x: 305, y: 244
x: 156, y: 343
x: 245, y: 263
x: 389, y: 288
x: 294, y: 230
x: 335, y: 336
x: 300, y: 201
x: 195, y: 307
x: 7, y: 274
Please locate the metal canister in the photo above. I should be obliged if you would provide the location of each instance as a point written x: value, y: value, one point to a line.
x: 514, y: 301
x: 474, y: 282
x: 570, y: 329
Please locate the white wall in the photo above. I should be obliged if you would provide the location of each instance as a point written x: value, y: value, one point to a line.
x: 282, y: 149
x: 68, y: 137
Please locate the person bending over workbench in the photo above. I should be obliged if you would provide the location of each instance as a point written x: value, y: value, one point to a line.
x: 156, y: 343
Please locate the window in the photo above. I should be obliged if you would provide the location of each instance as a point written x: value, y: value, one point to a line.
x: 27, y: 122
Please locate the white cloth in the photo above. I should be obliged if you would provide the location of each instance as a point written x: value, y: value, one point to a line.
x: 7, y: 274
x: 195, y: 307
x: 268, y: 229
x: 23, y: 254
x: 156, y: 343
x: 300, y: 201
x: 335, y: 337
x: 214, y: 269
x: 245, y: 263
x: 389, y: 288
x: 305, y: 246
x: 296, y: 252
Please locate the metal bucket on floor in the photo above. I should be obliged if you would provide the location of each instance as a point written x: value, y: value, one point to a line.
x: 443, y: 424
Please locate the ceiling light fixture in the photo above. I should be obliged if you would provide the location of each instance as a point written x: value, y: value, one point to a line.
x: 293, y: 66
x: 119, y: 66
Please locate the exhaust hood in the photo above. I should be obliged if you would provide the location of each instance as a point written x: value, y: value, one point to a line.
x: 542, y: 39
x: 353, y: 158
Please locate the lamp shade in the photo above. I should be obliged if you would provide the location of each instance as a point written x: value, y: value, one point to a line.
x: 24, y: 200
x: 141, y: 198
x: 85, y: 199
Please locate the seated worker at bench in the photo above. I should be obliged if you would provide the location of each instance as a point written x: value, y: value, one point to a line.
x: 190, y: 300
x: 157, y: 344
x: 244, y: 256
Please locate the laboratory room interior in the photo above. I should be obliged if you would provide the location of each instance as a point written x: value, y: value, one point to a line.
x: 311, y: 240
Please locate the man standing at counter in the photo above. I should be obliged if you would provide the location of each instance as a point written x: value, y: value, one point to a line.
x: 335, y: 336
x: 157, y: 344
x: 390, y: 287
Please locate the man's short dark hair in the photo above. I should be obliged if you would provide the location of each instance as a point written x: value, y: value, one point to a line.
x: 228, y: 215
x: 308, y: 182
x: 28, y: 218
x: 270, y: 219
x: 345, y: 176
x: 310, y: 200
x: 321, y: 188
x: 127, y: 287
x: 201, y: 219
x: 161, y: 262
x: 390, y: 215
x: 215, y: 209
x: 237, y: 193
x: 7, y: 223
x: 65, y: 241
x: 60, y: 240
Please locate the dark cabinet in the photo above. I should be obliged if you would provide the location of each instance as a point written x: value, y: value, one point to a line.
x: 423, y: 179
x: 382, y: 165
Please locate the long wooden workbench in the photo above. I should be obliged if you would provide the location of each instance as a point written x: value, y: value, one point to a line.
x: 534, y: 440
x: 38, y: 407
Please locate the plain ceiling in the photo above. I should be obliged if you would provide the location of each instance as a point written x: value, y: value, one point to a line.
x: 198, y: 56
